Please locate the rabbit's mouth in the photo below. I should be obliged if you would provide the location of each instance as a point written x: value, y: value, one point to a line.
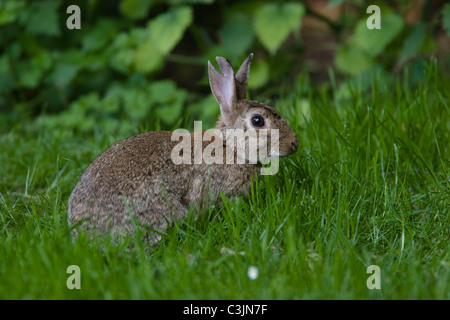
x: 278, y: 154
x: 290, y: 149
x: 288, y: 144
x: 274, y: 154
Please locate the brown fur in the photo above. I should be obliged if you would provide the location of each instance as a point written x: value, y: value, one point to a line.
x: 135, y: 180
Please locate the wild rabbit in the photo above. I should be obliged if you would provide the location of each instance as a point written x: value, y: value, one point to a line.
x: 136, y: 182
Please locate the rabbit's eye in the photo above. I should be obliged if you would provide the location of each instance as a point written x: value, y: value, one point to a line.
x: 258, y: 121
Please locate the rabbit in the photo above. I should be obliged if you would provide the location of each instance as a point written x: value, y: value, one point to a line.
x: 136, y: 183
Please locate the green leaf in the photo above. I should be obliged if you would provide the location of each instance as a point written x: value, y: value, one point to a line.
x: 123, y: 48
x: 207, y: 107
x: 9, y: 10
x: 164, y: 32
x: 64, y: 74
x: 162, y: 91
x: 168, y: 28
x: 135, y: 103
x: 352, y: 60
x: 32, y: 70
x: 77, y: 115
x: 100, y: 35
x: 43, y: 18
x: 374, y: 41
x: 135, y: 9
x: 414, y: 42
x: 67, y: 66
x: 146, y: 58
x: 169, y: 114
x: 446, y: 18
x: 274, y: 22
x: 362, y: 81
x: 169, y: 99
x: 237, y: 35
x: 259, y: 74
x: 112, y: 99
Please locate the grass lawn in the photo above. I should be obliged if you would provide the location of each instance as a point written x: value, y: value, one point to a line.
x: 369, y: 185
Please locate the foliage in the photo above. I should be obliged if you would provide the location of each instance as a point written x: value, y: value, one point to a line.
x: 111, y: 71
x: 274, y: 22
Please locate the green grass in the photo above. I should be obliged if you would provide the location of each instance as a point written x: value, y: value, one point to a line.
x: 369, y: 185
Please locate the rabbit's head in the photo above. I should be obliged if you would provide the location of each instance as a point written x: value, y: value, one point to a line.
x: 261, y: 124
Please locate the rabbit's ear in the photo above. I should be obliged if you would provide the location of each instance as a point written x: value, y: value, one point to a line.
x: 242, y: 78
x: 223, y: 86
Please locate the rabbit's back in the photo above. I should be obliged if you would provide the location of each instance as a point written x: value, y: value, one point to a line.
x: 132, y: 179
x: 137, y: 179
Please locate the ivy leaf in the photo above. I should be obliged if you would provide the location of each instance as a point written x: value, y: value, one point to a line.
x: 352, y: 60
x: 146, y: 58
x: 169, y: 100
x: 164, y: 32
x: 135, y: 9
x: 414, y: 42
x: 112, y: 99
x: 105, y: 31
x: 274, y: 22
x: 259, y: 74
x: 9, y: 11
x: 170, y: 113
x: 64, y: 74
x: 162, y: 91
x: 135, y: 103
x: 67, y: 66
x: 365, y: 44
x: 124, y: 49
x: 168, y: 28
x: 237, y: 35
x: 374, y: 41
x: 31, y: 71
x: 207, y: 109
x: 42, y: 18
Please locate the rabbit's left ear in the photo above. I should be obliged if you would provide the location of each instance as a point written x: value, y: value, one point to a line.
x: 242, y: 78
x: 223, y: 87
